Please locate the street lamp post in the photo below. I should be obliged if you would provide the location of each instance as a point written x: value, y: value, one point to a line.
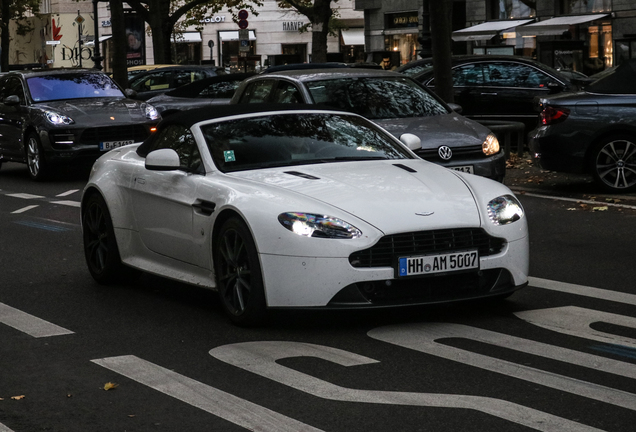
x: 97, y: 58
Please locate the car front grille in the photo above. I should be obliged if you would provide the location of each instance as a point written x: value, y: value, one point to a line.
x: 458, y: 152
x: 134, y: 132
x: 385, y: 252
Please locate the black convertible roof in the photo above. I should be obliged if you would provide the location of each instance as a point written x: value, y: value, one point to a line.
x: 622, y: 80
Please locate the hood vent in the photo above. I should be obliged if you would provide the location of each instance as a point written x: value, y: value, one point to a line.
x: 405, y: 168
x: 303, y: 175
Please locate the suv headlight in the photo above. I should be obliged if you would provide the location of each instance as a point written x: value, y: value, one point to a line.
x: 151, y: 112
x: 490, y: 145
x: 58, y: 119
x: 315, y: 225
x: 504, y: 210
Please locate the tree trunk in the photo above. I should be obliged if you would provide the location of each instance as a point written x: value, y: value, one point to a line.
x: 161, y: 28
x: 4, y: 37
x: 120, y: 72
x: 441, y: 29
x: 322, y: 13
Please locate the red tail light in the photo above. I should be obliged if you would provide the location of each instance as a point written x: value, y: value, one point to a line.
x: 551, y: 115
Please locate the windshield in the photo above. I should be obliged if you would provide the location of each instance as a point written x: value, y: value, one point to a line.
x: 376, y: 97
x: 297, y: 139
x: 72, y: 86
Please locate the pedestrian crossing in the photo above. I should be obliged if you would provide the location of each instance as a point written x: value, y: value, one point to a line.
x: 428, y: 338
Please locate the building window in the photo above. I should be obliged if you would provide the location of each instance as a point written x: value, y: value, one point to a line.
x: 567, y: 7
x: 601, y: 54
x: 509, y: 9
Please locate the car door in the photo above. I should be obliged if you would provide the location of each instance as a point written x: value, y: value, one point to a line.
x: 163, y: 200
x: 257, y: 91
x: 12, y: 118
x: 468, y: 87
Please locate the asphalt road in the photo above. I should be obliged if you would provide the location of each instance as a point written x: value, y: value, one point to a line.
x: 558, y: 355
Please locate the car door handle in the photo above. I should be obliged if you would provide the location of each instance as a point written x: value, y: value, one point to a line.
x: 204, y: 207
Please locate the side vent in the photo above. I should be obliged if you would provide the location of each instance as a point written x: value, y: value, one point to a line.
x: 405, y: 168
x: 303, y: 175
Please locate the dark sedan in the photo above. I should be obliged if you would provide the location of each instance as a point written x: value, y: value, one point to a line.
x: 492, y: 87
x: 66, y: 116
x: 160, y: 80
x: 216, y: 90
x: 592, y: 131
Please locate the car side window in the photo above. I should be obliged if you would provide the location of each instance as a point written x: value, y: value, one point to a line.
x: 156, y: 81
x: 286, y: 93
x: 468, y: 75
x: 13, y: 87
x: 515, y: 75
x: 223, y: 89
x: 257, y: 92
x: 181, y: 140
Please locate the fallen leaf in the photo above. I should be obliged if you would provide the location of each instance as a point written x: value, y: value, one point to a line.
x: 18, y: 397
x: 131, y: 415
x: 110, y: 386
x: 571, y: 209
x: 604, y: 208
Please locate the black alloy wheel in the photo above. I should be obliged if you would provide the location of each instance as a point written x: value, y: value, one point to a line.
x: 100, y: 246
x: 614, y: 163
x: 238, y: 274
x: 35, y: 157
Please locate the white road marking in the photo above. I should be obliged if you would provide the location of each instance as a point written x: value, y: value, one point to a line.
x: 221, y: 404
x: 591, y: 202
x: 25, y: 196
x: 24, y: 209
x: 67, y: 193
x: 261, y: 357
x: 423, y: 337
x: 29, y: 324
x: 576, y: 321
x: 603, y: 294
x: 68, y: 203
x: 3, y: 428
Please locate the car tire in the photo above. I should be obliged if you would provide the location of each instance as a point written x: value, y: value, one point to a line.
x: 238, y: 274
x: 613, y: 163
x: 100, y: 245
x: 34, y: 154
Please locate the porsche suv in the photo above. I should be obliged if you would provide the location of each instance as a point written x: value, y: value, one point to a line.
x: 59, y: 117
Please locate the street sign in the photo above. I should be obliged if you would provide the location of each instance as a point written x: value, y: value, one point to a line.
x: 53, y: 42
x: 242, y: 16
x: 80, y: 19
x: 244, y: 46
x: 243, y: 24
x: 244, y: 34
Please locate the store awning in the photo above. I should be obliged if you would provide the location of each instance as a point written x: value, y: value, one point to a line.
x: 487, y: 30
x: 226, y: 36
x: 101, y: 39
x: 354, y: 36
x: 556, y: 26
x: 187, y: 37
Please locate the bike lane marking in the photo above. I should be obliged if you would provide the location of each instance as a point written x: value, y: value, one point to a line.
x: 261, y: 357
x: 425, y: 337
x: 582, y: 290
x: 29, y: 324
x: 212, y: 400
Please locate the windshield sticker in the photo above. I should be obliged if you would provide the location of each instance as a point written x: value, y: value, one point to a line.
x: 229, y: 156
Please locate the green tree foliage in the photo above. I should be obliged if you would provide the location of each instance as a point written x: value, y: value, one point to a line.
x: 17, y: 11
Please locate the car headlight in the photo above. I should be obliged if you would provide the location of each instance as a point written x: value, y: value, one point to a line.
x: 315, y: 225
x: 504, y: 210
x: 490, y: 145
x: 151, y: 112
x: 58, y: 119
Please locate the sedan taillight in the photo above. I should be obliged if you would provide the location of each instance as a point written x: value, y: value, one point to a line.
x: 551, y: 115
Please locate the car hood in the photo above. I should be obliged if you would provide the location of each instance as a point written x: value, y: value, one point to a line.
x: 385, y: 194
x: 451, y: 129
x: 96, y: 111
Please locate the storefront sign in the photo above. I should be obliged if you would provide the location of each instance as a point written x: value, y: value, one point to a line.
x: 402, y: 20
x: 292, y: 25
x: 214, y: 19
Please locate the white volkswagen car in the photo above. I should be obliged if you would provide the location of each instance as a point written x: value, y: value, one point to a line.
x: 296, y: 207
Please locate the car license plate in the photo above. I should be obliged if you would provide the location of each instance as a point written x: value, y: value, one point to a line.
x: 464, y: 168
x: 429, y: 264
x: 109, y: 145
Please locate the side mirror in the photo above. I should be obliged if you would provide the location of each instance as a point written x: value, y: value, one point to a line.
x: 455, y: 107
x: 555, y: 87
x: 12, y: 100
x: 130, y: 93
x: 163, y: 160
x: 413, y: 142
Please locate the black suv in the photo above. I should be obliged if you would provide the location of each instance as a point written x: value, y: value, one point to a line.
x: 66, y: 116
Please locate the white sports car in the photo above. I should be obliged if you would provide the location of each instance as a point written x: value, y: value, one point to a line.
x: 296, y: 207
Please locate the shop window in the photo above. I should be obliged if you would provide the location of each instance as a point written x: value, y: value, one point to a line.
x: 567, y: 7
x: 601, y: 51
x: 509, y: 9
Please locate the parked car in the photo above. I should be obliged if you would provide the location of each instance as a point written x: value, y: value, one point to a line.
x: 592, y: 131
x: 415, y: 67
x: 136, y: 70
x: 66, y: 116
x: 153, y: 82
x: 297, y: 207
x: 395, y: 102
x: 216, y: 90
x: 490, y: 87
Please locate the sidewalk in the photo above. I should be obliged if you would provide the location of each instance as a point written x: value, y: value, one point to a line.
x: 523, y: 176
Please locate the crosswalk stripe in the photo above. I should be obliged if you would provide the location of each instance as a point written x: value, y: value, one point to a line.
x: 615, y: 296
x: 3, y: 428
x: 29, y: 324
x: 24, y: 209
x: 215, y: 401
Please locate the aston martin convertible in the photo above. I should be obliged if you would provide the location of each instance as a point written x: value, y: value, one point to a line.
x: 290, y: 206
